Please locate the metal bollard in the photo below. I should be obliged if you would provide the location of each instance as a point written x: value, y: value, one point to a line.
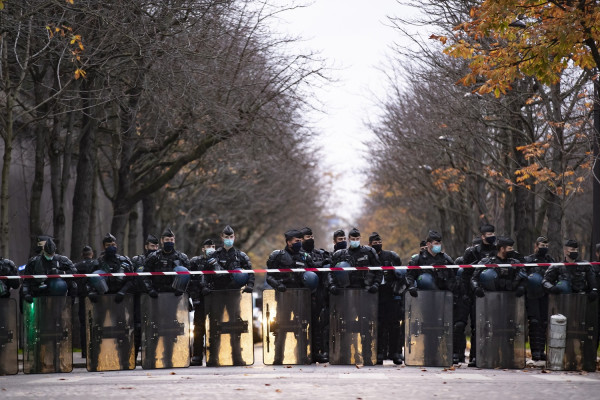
x: 557, y: 340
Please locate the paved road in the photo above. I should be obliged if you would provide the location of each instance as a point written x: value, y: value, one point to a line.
x: 337, y: 382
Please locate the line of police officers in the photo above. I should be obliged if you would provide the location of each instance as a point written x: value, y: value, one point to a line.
x: 300, y: 251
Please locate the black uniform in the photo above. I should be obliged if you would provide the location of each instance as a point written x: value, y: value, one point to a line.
x: 159, y: 261
x: 362, y: 256
x: 537, y: 310
x: 39, y: 265
x: 8, y: 268
x: 223, y: 259
x: 282, y: 281
x: 85, y: 266
x: 510, y: 279
x: 390, y: 316
x: 139, y: 287
x: 464, y: 307
x: 320, y: 307
x: 581, y: 277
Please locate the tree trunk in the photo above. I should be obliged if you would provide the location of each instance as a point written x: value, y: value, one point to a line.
x: 37, y: 187
x: 6, y: 161
x: 86, y: 169
x: 132, y: 236
x: 149, y: 225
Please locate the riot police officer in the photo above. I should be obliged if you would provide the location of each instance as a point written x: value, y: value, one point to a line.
x: 87, y: 265
x: 8, y: 268
x: 199, y: 263
x: 48, y: 263
x: 150, y: 246
x: 227, y: 258
x: 357, y: 256
x: 482, y: 247
x: 390, y: 311
x: 505, y: 278
x: 443, y: 279
x: 292, y: 256
x: 581, y: 278
x: 163, y: 260
x: 536, y: 300
x: 111, y: 262
x: 339, y: 240
x: 319, y: 298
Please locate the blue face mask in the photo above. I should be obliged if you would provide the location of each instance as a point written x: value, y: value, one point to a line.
x: 168, y: 246
x: 436, y: 248
x: 354, y: 243
x: 110, y: 251
x: 209, y: 251
x: 47, y: 257
x: 228, y: 242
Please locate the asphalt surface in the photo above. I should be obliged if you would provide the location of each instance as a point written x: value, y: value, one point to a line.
x: 342, y: 382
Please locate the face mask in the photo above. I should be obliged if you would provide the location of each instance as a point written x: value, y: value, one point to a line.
x: 209, y: 251
x: 574, y: 255
x: 168, y: 246
x: 354, y: 243
x: 110, y: 251
x: 511, y: 254
x: 296, y: 247
x: 340, y: 245
x: 542, y: 251
x: 309, y: 245
x: 490, y: 239
x: 38, y: 249
x: 228, y: 242
x: 377, y: 247
x: 436, y: 248
x: 47, y: 257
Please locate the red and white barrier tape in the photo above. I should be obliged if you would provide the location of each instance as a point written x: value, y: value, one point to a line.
x: 288, y: 270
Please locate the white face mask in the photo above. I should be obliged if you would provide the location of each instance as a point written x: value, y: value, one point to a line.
x: 209, y: 251
x: 354, y: 243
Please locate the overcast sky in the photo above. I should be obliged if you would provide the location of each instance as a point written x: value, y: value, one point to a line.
x: 353, y: 37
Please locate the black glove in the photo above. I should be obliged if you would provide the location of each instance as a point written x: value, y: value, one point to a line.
x: 153, y: 293
x: 334, y: 290
x: 119, y: 297
x: 520, y: 291
x: 178, y: 293
x: 248, y: 289
x: 93, y: 297
x: 281, y: 288
x: 593, y: 295
x: 28, y: 298
x: 555, y: 289
x: 206, y: 291
x: 479, y: 292
x: 372, y: 289
x: 212, y: 261
x: 413, y: 291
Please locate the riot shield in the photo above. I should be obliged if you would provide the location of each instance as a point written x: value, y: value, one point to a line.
x: 500, y: 330
x: 109, y: 332
x: 228, y: 321
x: 165, y: 331
x: 582, y: 327
x: 287, y: 335
x: 47, y: 335
x: 428, y: 340
x: 353, y: 327
x: 9, y: 345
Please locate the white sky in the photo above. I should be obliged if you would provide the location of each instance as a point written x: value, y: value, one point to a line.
x: 351, y: 36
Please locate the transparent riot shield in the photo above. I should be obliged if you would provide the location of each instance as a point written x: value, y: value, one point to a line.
x: 582, y: 328
x: 165, y: 331
x: 353, y: 327
x: 229, y: 340
x: 109, y: 332
x: 428, y: 339
x: 9, y: 344
x: 287, y: 330
x: 500, y: 330
x: 47, y: 335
